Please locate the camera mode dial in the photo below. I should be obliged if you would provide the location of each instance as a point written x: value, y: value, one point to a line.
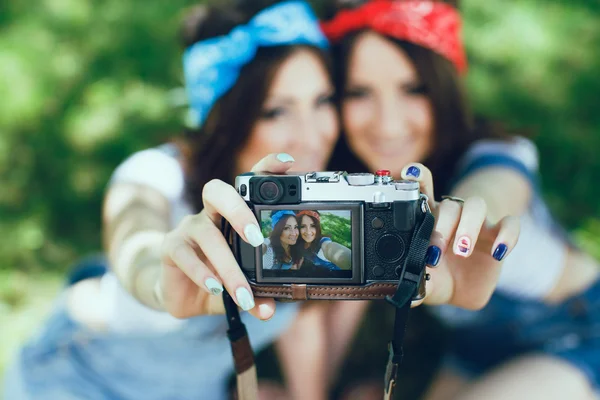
x: 360, y: 179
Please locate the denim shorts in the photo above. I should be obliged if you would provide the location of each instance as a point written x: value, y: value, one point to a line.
x: 68, y: 361
x: 507, y: 328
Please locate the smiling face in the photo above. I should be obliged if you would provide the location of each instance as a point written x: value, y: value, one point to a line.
x: 298, y: 116
x: 387, y: 115
x: 308, y: 229
x: 289, y: 235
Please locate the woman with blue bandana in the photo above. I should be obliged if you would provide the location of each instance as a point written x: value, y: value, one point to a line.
x: 258, y: 83
x: 279, y: 254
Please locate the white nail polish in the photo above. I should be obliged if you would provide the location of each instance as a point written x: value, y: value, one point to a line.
x: 285, y: 157
x: 244, y: 299
x: 214, y: 286
x: 254, y: 235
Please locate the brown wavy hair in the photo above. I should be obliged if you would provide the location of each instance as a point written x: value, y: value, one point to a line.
x: 210, y: 151
x: 455, y: 126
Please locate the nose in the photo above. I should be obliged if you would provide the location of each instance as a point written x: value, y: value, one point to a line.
x: 391, y: 118
x: 309, y: 134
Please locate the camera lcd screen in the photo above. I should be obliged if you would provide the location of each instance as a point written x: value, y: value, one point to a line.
x: 308, y: 244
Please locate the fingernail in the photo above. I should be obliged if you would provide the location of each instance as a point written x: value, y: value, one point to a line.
x: 263, y: 309
x: 285, y: 157
x: 413, y: 171
x: 500, y: 251
x: 433, y: 256
x: 254, y: 235
x: 463, y: 246
x: 214, y: 286
x: 244, y: 299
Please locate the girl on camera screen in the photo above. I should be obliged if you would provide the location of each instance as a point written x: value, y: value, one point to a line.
x: 318, y: 251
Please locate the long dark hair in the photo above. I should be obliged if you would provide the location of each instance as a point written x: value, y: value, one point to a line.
x: 211, y: 151
x: 275, y: 238
x: 316, y: 243
x: 455, y: 127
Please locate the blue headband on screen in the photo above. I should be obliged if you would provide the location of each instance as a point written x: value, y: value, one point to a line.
x: 211, y: 67
x: 275, y: 217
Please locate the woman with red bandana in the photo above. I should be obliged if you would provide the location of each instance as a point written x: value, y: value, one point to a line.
x: 319, y: 251
x: 400, y: 67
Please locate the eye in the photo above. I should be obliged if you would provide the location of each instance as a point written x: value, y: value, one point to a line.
x: 356, y: 93
x: 272, y: 113
x: 415, y: 89
x: 325, y: 100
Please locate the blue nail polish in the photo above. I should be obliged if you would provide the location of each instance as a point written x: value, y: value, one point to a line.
x: 432, y: 257
x: 500, y: 251
x: 413, y: 171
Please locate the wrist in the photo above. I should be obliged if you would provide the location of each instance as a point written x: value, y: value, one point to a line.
x: 138, y: 267
x: 146, y: 286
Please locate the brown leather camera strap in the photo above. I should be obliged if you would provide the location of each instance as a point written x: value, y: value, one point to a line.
x: 243, y: 356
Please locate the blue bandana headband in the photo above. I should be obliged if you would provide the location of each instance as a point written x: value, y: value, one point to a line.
x: 275, y: 217
x: 212, y: 67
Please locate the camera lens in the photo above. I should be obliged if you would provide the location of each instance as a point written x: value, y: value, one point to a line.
x: 270, y: 191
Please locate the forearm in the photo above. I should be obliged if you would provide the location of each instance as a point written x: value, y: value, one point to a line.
x: 338, y: 254
x: 136, y: 220
x: 505, y: 192
x: 303, y: 354
x: 343, y: 320
x: 137, y: 265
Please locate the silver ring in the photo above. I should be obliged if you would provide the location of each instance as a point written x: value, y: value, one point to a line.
x: 452, y: 198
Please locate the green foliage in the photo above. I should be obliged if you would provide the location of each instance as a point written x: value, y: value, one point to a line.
x: 337, y: 228
x: 83, y: 84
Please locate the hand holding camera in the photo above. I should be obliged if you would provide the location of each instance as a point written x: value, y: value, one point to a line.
x: 367, y: 217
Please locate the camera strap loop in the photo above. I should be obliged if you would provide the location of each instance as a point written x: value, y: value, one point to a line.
x: 410, y: 278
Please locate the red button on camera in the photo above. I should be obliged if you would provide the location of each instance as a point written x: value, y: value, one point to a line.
x: 383, y: 172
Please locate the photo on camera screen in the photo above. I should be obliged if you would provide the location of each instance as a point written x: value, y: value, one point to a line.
x: 307, y: 243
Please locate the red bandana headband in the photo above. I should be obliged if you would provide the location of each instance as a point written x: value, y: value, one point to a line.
x: 313, y: 214
x: 430, y: 24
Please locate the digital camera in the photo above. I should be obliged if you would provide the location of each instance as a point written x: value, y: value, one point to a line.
x: 329, y: 235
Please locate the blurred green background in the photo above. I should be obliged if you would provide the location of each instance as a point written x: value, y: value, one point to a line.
x: 84, y: 83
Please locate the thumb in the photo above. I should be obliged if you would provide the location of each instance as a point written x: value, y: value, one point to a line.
x: 274, y: 163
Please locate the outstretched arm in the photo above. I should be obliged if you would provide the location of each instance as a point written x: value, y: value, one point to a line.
x: 337, y: 254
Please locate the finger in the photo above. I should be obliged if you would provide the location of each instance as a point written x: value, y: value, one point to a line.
x: 265, y: 308
x: 446, y: 221
x: 420, y: 173
x: 222, y: 200
x: 180, y: 254
x: 508, y: 234
x: 274, y: 163
x: 216, y: 249
x: 471, y: 221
